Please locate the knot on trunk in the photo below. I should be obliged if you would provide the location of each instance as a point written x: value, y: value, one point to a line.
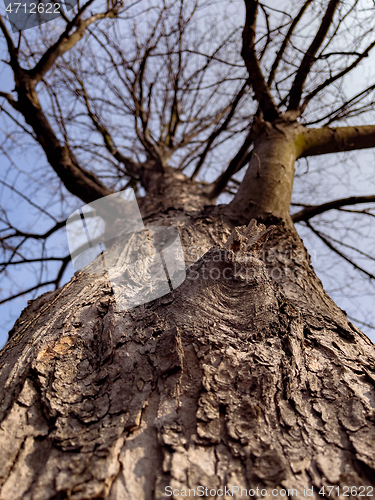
x: 247, y: 239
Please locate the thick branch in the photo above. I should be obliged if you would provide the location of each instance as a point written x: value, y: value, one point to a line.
x: 256, y: 78
x: 81, y: 183
x: 78, y: 181
x: 309, y: 58
x: 309, y: 212
x: 319, y: 141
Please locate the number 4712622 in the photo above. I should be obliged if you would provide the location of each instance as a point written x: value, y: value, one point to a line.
x: 347, y: 491
x: 34, y: 8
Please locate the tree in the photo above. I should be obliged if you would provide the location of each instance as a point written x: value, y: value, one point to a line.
x: 248, y: 374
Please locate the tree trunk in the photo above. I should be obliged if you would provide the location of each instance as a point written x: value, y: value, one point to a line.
x: 245, y: 376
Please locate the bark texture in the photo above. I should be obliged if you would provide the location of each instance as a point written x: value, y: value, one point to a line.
x: 268, y: 183
x: 246, y: 375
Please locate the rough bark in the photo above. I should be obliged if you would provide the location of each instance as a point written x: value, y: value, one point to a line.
x: 246, y: 375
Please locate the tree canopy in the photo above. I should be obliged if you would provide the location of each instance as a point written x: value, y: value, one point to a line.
x: 122, y: 94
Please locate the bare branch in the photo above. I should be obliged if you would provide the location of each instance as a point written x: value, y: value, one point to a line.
x: 20, y: 125
x: 64, y: 264
x: 361, y: 322
x: 348, y: 246
x: 309, y: 57
x: 32, y: 261
x: 4, y: 183
x: 286, y: 41
x: 10, y: 99
x: 343, y: 110
x: 66, y: 41
x: 336, y: 77
x: 35, y: 236
x: 13, y: 52
x: 234, y: 166
x: 309, y: 212
x: 219, y: 130
x: 81, y: 183
x: 24, y: 292
x: 332, y: 247
x: 256, y: 78
x: 131, y: 167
